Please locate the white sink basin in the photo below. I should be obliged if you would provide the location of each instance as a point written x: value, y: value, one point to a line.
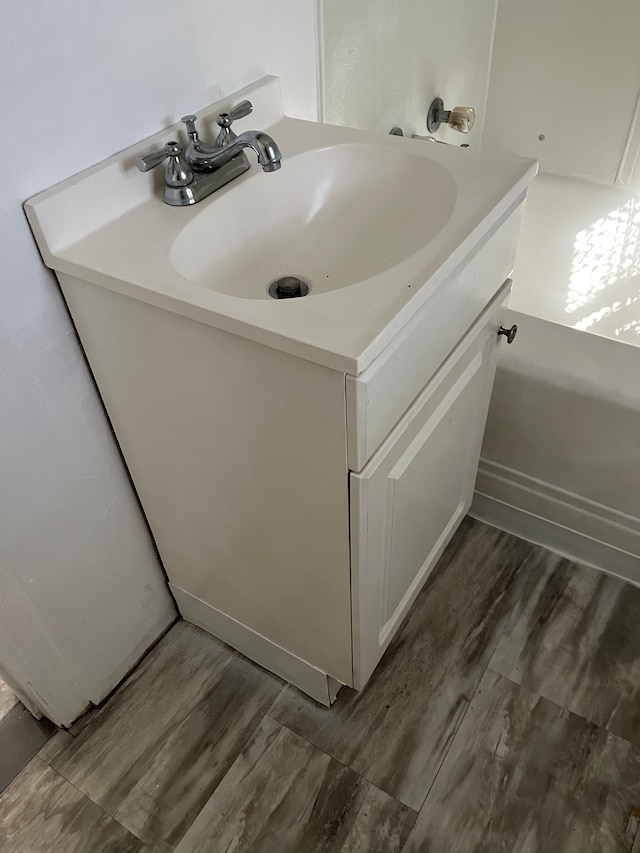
x: 332, y: 217
x: 378, y: 226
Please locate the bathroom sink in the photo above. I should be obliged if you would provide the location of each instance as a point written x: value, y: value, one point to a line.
x: 378, y: 226
x: 332, y: 217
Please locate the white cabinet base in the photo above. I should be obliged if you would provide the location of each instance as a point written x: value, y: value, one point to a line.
x: 301, y: 674
x: 239, y: 453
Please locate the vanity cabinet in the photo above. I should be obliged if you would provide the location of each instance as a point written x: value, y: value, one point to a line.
x: 298, y: 509
x: 302, y: 463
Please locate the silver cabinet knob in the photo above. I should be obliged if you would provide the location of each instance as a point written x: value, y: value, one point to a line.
x: 509, y: 333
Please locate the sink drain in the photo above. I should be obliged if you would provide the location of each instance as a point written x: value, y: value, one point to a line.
x: 288, y: 287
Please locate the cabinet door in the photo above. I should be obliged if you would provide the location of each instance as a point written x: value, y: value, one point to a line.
x: 410, y: 497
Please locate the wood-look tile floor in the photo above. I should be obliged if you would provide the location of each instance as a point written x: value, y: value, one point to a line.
x: 21, y: 736
x: 8, y: 699
x: 504, y: 718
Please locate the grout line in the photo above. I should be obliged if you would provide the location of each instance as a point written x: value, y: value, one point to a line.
x: 346, y: 766
x: 268, y: 711
x: 92, y: 801
x: 22, y: 736
x: 315, y: 747
x: 444, y: 757
x: 16, y: 701
x: 4, y: 790
x: 600, y: 726
x: 506, y: 617
x: 227, y: 771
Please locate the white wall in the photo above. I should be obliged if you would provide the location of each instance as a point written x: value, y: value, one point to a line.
x: 568, y: 70
x: 81, y: 593
x: 385, y: 61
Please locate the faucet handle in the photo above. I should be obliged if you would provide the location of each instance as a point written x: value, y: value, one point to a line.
x: 244, y: 108
x: 150, y: 159
x: 459, y: 118
x: 225, y: 120
x: 177, y: 172
x: 462, y: 119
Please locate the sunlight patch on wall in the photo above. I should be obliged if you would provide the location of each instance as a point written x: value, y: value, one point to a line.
x: 605, y: 275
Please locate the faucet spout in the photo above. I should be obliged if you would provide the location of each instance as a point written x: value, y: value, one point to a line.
x: 268, y: 153
x: 209, y: 158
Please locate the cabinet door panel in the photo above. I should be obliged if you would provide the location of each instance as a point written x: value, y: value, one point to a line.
x: 428, y: 486
x: 408, y: 500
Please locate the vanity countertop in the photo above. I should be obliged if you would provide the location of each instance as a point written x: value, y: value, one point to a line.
x: 109, y: 226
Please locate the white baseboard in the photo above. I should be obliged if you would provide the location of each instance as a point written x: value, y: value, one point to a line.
x: 257, y: 648
x: 580, y: 529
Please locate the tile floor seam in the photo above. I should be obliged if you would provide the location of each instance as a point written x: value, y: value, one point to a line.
x: 507, y: 615
x: 66, y: 760
x: 7, y: 695
x: 471, y: 698
x: 113, y: 817
x: 444, y: 757
x: 15, y: 778
x: 563, y: 707
x: 84, y: 721
x: 36, y: 759
x: 599, y: 726
x: 248, y: 740
x: 371, y: 793
x: 267, y: 712
x: 481, y: 795
x: 102, y: 808
x: 21, y: 739
x: 4, y: 717
x: 346, y: 766
x: 48, y: 744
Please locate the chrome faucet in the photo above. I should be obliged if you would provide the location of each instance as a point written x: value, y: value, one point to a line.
x: 205, y: 168
x: 206, y: 158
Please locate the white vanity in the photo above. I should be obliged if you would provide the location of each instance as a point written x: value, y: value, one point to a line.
x: 302, y: 462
